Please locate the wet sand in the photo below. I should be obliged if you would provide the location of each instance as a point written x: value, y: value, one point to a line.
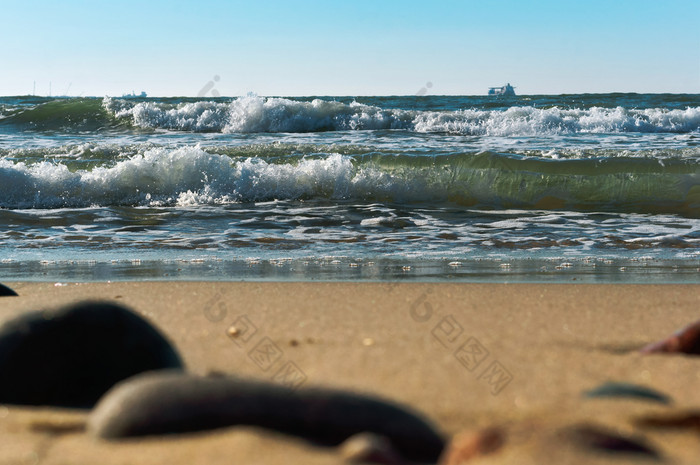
x: 518, y: 357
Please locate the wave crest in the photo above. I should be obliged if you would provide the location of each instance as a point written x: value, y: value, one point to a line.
x: 190, y: 175
x: 253, y: 114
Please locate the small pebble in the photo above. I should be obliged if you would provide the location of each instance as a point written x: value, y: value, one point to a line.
x: 468, y: 445
x: 628, y: 390
x: 233, y: 332
x: 679, y: 420
x: 56, y: 428
x: 600, y: 439
x: 684, y: 341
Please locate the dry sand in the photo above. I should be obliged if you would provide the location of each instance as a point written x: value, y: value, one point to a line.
x: 541, y: 346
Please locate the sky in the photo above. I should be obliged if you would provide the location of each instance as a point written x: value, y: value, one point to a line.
x: 361, y: 47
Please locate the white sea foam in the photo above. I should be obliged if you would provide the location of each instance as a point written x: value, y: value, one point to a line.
x: 530, y: 121
x: 253, y: 114
x: 189, y: 176
x: 197, y: 116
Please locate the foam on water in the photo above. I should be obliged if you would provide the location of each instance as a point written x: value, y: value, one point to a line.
x: 189, y: 175
x: 183, y: 176
x: 531, y: 121
x: 253, y: 114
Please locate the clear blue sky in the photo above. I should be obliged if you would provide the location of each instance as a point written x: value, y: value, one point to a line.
x: 359, y: 47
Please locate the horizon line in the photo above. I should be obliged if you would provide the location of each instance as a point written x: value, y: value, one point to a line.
x: 342, y: 95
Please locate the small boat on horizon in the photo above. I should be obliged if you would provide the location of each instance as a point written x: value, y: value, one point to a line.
x: 134, y: 95
x: 506, y: 90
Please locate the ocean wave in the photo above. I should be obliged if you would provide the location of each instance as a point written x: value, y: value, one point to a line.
x: 73, y: 115
x: 253, y: 114
x: 201, y: 116
x: 531, y: 121
x: 192, y: 176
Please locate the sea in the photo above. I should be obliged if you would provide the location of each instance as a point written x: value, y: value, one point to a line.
x: 593, y: 188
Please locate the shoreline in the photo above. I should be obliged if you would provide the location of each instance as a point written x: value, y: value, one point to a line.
x: 544, y: 345
x: 498, y: 270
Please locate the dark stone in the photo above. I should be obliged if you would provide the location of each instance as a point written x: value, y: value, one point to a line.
x: 599, y: 439
x: 6, y: 291
x: 628, y: 390
x: 168, y: 403
x: 71, y: 356
x: 684, y: 341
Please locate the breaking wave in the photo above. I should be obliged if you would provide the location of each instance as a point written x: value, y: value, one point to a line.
x: 192, y: 176
x: 254, y: 114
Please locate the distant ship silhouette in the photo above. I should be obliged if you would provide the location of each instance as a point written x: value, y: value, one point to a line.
x: 507, y: 90
x: 133, y: 95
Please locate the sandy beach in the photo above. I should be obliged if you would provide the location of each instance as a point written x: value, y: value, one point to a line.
x: 539, y: 349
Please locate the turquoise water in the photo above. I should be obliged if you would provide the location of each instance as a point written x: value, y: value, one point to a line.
x: 592, y: 188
